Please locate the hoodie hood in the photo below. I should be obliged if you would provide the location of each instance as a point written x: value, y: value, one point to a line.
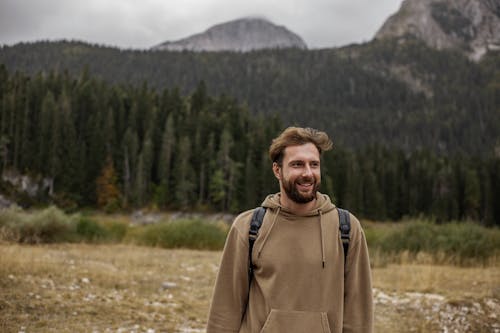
x: 323, y: 205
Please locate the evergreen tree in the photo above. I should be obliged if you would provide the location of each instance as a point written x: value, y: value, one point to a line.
x: 144, y: 170
x: 165, y: 160
x: 130, y: 161
x: 70, y: 171
x: 44, y: 139
x: 251, y: 178
x: 184, y: 174
x: 471, y: 195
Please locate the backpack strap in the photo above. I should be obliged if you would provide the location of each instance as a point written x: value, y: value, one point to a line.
x: 345, y: 229
x: 255, y: 223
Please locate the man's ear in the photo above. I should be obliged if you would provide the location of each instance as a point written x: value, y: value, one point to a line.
x: 277, y: 170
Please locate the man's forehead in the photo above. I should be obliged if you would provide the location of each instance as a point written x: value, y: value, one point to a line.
x: 304, y: 151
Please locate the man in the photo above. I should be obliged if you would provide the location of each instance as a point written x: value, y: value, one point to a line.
x: 299, y: 282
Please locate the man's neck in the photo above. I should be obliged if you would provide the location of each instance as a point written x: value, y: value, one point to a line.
x: 294, y: 207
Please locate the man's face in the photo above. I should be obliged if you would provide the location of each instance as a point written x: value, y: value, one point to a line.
x: 300, y: 172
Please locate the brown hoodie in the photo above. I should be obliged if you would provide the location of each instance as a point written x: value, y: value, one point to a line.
x: 298, y: 283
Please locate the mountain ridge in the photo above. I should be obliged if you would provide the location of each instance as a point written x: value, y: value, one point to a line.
x: 243, y: 35
x: 470, y: 26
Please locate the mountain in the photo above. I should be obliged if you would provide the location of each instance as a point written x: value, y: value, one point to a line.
x: 416, y: 128
x: 472, y: 26
x: 242, y: 35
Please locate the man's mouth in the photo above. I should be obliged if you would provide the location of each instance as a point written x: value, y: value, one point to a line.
x: 305, y: 185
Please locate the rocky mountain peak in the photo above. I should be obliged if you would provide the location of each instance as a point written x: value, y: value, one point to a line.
x: 242, y: 35
x: 472, y: 26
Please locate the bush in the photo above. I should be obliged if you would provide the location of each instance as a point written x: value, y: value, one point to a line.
x: 53, y: 225
x: 459, y: 242
x: 469, y: 241
x: 116, y: 231
x: 193, y: 234
x: 90, y: 230
x: 47, y: 226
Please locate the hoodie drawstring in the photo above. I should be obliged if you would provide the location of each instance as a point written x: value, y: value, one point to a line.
x: 323, y: 259
x: 322, y: 237
x: 269, y: 232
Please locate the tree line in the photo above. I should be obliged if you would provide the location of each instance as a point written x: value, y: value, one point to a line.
x: 118, y: 146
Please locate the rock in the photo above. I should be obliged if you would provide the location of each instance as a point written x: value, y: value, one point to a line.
x: 471, y: 26
x: 33, y: 186
x: 168, y: 285
x: 4, y: 202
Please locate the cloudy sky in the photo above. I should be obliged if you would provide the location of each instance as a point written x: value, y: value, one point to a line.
x: 140, y: 24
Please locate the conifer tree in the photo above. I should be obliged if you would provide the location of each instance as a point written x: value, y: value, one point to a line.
x: 250, y: 199
x: 184, y: 174
x: 471, y: 195
x: 70, y: 172
x: 130, y: 148
x: 144, y: 169
x: 46, y: 128
x: 218, y: 185
x: 164, y: 167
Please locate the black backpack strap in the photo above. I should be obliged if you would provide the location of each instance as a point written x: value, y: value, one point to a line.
x: 345, y: 229
x: 255, y: 223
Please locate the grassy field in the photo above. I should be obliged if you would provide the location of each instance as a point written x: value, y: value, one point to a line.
x: 128, y: 288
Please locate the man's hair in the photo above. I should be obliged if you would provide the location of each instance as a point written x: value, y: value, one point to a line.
x: 296, y: 136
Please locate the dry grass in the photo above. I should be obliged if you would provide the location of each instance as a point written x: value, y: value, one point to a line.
x: 85, y: 288
x: 119, y: 288
x: 432, y: 298
x: 449, y: 281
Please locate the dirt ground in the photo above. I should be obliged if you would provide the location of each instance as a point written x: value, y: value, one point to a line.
x: 122, y: 288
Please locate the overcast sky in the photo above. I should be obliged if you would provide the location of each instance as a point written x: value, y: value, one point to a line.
x: 140, y: 24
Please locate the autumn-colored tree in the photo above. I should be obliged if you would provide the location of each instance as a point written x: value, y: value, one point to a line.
x: 108, y: 194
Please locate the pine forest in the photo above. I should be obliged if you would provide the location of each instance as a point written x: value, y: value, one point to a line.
x: 116, y: 146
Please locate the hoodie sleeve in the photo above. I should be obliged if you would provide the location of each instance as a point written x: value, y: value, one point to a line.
x: 358, y: 302
x: 231, y: 286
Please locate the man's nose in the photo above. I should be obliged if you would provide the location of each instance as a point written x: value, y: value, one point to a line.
x: 307, y: 170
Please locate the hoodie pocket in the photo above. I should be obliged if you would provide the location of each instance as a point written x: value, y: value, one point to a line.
x: 280, y: 321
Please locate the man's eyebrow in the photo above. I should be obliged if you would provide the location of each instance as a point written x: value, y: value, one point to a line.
x: 303, y: 160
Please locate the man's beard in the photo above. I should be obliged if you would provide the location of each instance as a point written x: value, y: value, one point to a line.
x: 294, y: 194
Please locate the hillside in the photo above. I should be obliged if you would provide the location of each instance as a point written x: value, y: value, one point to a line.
x: 399, y: 94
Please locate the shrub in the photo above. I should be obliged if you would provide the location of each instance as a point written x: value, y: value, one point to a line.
x: 194, y: 234
x: 459, y: 242
x: 47, y: 226
x: 90, y: 230
x: 116, y: 231
x: 469, y: 241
